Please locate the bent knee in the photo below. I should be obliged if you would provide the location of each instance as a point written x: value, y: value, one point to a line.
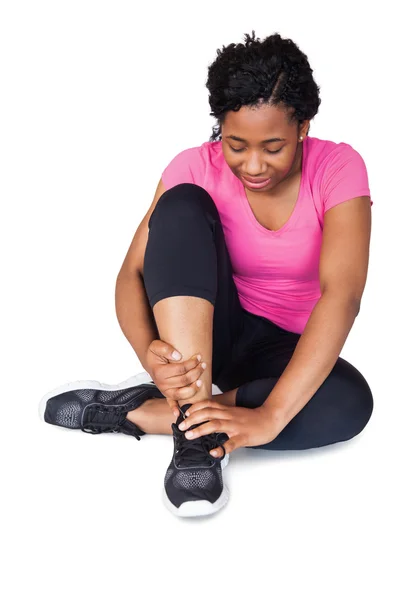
x: 185, y: 199
x: 356, y: 399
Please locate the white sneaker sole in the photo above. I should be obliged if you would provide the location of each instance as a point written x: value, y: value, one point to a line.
x: 93, y: 385
x: 199, y: 508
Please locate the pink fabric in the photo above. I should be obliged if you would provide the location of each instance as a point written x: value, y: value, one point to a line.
x: 276, y: 272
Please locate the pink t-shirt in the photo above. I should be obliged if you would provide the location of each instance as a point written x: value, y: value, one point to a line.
x: 276, y: 272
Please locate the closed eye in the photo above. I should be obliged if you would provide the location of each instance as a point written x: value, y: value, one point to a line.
x: 269, y: 151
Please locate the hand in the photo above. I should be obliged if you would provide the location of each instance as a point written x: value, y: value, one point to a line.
x: 176, y: 379
x: 244, y: 426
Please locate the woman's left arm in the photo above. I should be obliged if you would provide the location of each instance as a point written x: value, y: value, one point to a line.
x: 343, y: 271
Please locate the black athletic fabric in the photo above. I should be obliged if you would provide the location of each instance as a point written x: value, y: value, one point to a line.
x: 186, y: 255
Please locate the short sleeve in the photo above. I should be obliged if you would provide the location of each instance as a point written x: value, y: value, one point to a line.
x: 345, y: 176
x: 185, y: 167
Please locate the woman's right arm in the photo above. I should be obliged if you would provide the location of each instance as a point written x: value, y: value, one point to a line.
x: 134, y: 314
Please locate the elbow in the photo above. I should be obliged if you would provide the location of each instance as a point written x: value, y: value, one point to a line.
x: 354, y: 302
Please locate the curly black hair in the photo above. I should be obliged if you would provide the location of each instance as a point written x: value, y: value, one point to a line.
x: 273, y: 71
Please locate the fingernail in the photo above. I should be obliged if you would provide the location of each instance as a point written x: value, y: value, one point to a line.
x: 198, y: 383
x: 199, y: 357
x: 176, y: 355
x: 203, y: 365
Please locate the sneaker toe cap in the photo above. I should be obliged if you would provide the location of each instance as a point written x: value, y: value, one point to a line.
x: 62, y: 411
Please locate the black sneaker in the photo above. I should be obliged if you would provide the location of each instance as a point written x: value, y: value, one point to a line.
x: 96, y: 407
x: 193, y: 484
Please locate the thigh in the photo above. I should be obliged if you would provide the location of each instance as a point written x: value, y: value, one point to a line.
x: 262, y: 349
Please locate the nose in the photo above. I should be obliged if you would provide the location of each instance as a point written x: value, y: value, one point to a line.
x: 255, y: 168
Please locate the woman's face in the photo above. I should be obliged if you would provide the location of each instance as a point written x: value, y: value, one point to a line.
x: 255, y: 157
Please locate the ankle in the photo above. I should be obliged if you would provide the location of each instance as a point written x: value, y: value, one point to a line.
x: 153, y: 416
x: 143, y: 409
x: 226, y: 398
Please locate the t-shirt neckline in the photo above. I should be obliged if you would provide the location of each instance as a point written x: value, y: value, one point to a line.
x: 296, y: 208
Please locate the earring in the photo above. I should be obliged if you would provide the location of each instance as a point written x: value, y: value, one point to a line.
x: 301, y: 138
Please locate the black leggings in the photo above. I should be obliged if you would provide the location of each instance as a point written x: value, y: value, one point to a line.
x: 186, y: 255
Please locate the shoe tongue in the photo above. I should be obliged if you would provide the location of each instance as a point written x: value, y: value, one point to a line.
x: 100, y: 415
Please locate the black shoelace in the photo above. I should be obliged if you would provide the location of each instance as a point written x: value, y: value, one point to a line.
x: 189, y: 453
x: 95, y: 422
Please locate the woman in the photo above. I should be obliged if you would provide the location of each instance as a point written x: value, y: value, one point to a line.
x: 251, y: 263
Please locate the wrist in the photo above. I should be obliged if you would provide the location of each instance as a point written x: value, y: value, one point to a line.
x: 273, y: 416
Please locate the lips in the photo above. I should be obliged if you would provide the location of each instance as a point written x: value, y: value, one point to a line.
x: 253, y: 180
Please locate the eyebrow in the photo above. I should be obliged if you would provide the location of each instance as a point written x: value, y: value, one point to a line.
x: 238, y: 139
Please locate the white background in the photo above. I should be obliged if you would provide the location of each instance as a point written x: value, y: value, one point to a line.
x: 96, y: 99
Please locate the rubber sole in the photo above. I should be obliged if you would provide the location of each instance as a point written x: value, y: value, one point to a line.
x: 93, y: 385
x: 200, y: 508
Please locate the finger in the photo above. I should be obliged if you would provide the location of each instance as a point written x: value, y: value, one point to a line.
x: 206, y: 414
x: 192, y: 361
x: 164, y: 351
x: 196, y: 406
x: 186, y: 378
x: 181, y: 394
x: 205, y: 429
x: 174, y: 406
x: 218, y: 452
x: 232, y: 444
x: 204, y: 405
x: 174, y: 369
